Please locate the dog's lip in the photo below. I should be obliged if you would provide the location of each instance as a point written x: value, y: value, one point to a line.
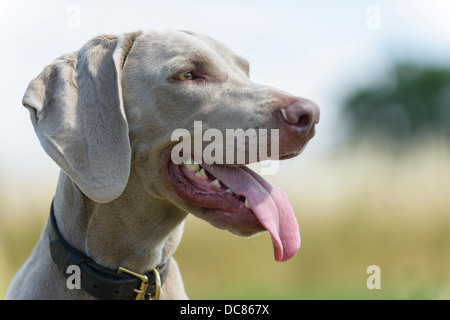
x: 202, y: 196
x: 289, y: 155
x: 220, y: 208
x: 270, y: 211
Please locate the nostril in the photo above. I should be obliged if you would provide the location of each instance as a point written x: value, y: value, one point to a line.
x: 303, y: 121
x: 297, y: 119
x: 302, y: 113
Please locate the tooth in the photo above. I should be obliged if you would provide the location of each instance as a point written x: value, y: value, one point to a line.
x: 246, y: 204
x: 192, y: 166
x: 201, y: 174
x: 229, y: 191
x: 216, y: 183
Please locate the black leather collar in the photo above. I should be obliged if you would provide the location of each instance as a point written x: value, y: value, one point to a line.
x: 98, y: 281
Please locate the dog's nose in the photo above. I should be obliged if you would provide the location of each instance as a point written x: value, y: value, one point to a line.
x: 303, y: 114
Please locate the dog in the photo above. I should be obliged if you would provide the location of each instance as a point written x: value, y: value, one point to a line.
x: 105, y: 114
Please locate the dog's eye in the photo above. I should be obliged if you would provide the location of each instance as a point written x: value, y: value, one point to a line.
x: 186, y: 76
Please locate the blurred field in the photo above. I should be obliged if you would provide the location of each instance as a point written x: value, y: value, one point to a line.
x: 359, y: 206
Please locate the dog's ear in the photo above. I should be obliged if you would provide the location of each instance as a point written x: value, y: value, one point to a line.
x: 77, y: 111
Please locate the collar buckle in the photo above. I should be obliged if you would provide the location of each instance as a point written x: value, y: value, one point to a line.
x: 141, y: 293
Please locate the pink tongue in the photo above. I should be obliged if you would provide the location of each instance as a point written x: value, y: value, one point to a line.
x: 269, y: 204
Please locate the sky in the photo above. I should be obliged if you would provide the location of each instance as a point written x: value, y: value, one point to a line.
x: 316, y: 49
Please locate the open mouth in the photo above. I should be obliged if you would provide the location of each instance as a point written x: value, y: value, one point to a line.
x: 238, y: 195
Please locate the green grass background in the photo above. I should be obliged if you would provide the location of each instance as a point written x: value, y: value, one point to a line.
x: 359, y: 206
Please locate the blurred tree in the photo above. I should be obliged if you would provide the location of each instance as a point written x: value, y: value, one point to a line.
x: 411, y: 102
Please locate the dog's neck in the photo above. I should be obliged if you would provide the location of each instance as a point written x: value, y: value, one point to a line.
x: 135, y: 230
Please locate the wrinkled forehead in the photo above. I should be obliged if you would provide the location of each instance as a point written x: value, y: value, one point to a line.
x: 222, y: 50
x: 174, y: 50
